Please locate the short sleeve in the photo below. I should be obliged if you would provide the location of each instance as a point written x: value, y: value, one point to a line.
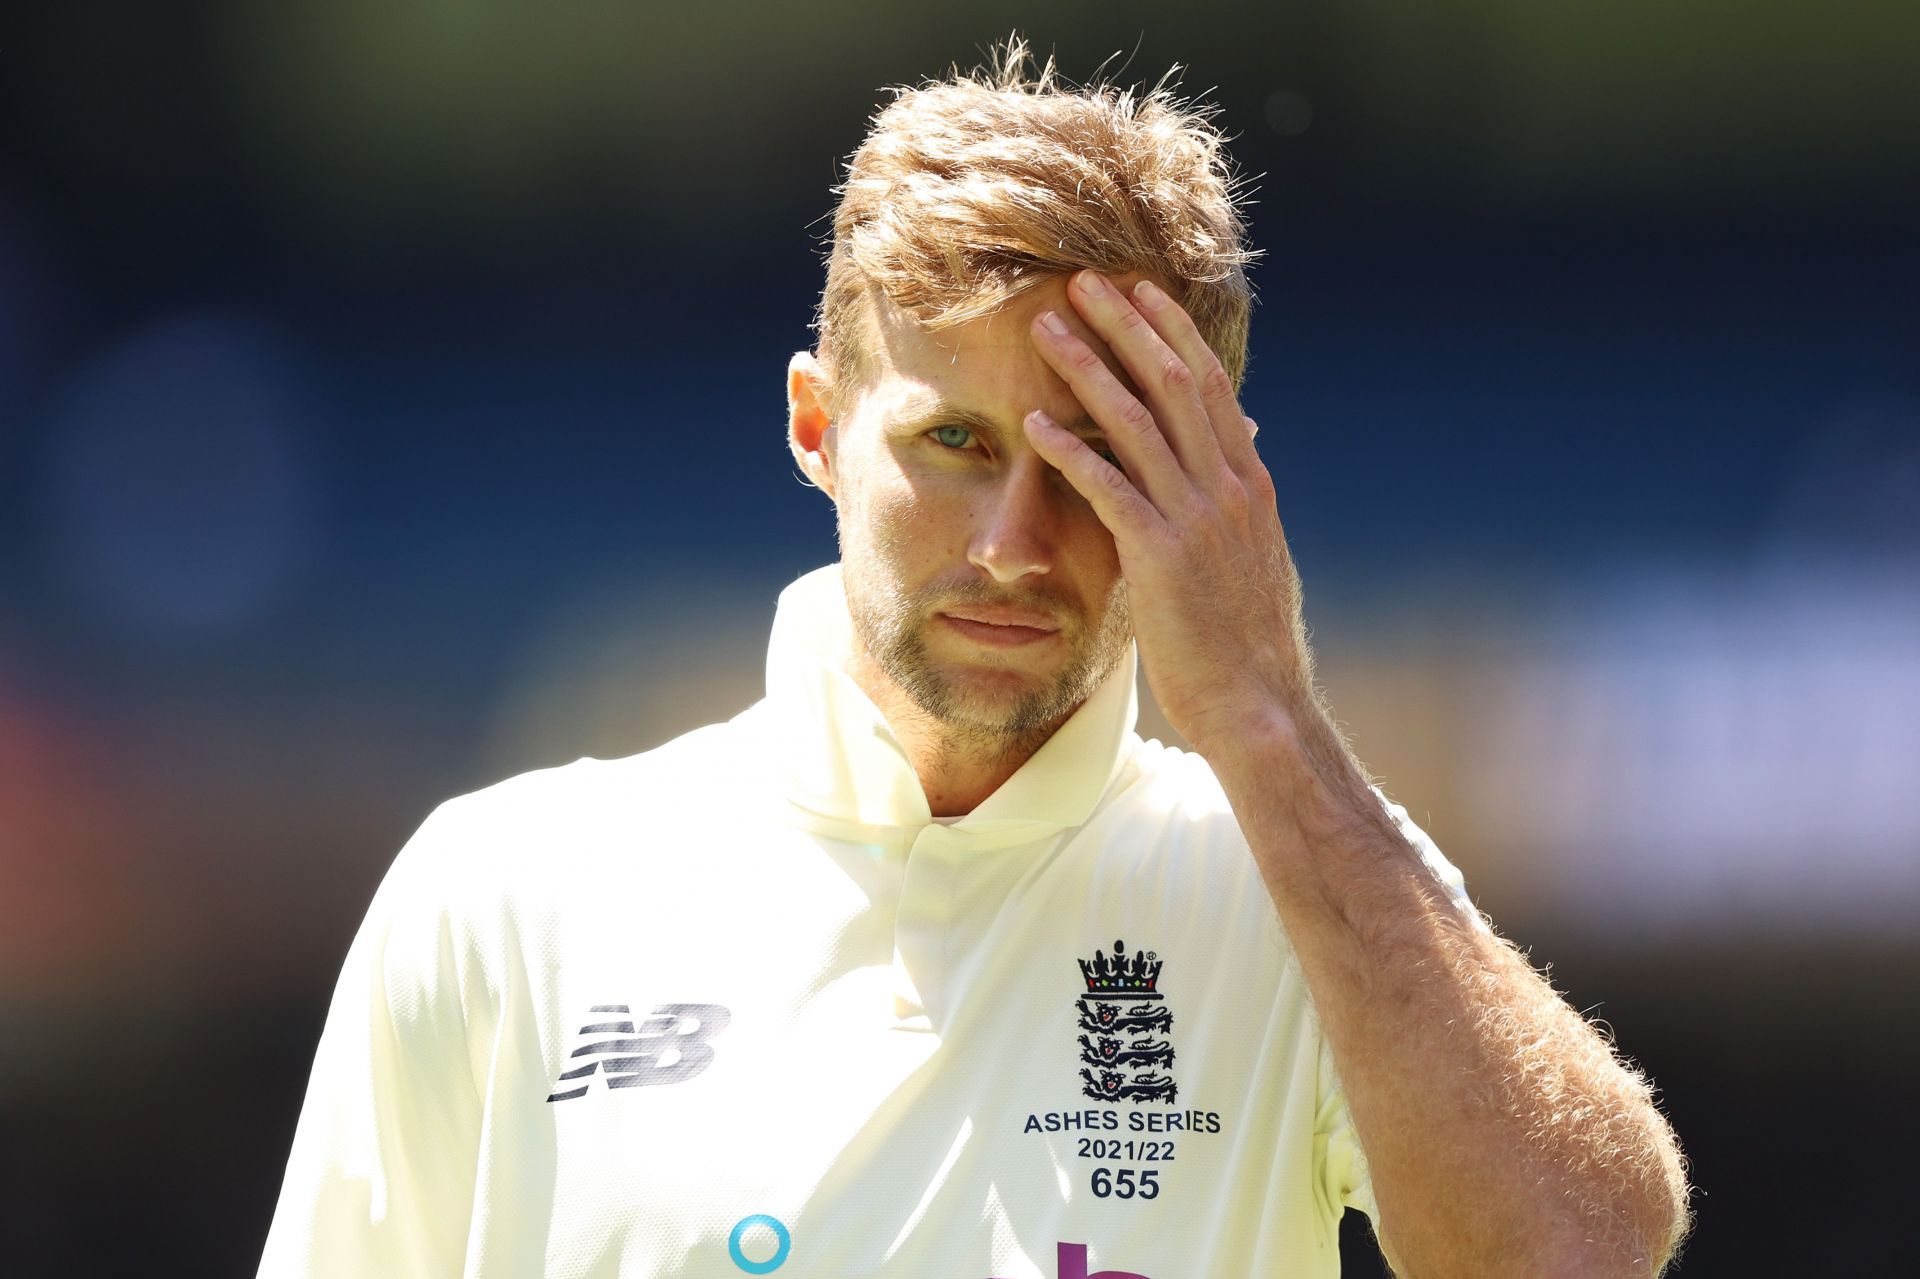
x: 380, y: 1179
x: 1344, y: 1179
x: 1445, y: 871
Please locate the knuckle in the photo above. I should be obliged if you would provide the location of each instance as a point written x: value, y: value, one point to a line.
x: 1114, y: 481
x: 1214, y: 382
x: 1175, y: 373
x: 1233, y: 496
x: 1135, y: 417
x: 1259, y: 487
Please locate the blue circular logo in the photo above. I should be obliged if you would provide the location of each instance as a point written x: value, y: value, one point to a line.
x: 779, y: 1257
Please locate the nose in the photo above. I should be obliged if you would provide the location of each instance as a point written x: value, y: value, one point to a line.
x: 1013, y: 537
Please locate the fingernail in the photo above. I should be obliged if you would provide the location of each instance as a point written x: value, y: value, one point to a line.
x: 1091, y: 284
x: 1146, y: 293
x: 1053, y: 324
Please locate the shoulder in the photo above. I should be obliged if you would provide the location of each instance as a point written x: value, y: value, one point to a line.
x: 485, y: 866
x: 1169, y: 808
x: 1179, y: 791
x: 541, y: 824
x: 594, y: 792
x: 1178, y: 784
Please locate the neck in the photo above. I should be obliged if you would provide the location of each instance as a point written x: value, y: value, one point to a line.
x: 958, y: 765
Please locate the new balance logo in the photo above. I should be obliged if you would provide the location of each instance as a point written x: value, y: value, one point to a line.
x: 668, y: 1046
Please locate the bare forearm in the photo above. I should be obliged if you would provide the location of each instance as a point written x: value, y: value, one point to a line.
x: 1503, y: 1135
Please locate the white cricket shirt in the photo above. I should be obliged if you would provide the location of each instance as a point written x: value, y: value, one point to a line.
x: 739, y: 1005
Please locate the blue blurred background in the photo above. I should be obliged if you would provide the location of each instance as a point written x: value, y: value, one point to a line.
x: 391, y: 400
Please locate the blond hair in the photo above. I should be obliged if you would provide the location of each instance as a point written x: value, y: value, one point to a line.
x: 968, y: 192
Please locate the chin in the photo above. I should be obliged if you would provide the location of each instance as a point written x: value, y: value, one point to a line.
x: 994, y: 700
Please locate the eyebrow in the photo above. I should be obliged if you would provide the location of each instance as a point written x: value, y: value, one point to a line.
x: 926, y: 407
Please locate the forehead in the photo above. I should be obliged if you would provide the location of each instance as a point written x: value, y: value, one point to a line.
x: 990, y: 362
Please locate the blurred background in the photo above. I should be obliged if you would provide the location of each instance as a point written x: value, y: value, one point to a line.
x: 391, y: 400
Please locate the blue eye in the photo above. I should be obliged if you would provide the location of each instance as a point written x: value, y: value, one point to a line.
x: 953, y: 437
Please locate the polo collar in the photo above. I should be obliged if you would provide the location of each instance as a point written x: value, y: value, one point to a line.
x: 845, y: 769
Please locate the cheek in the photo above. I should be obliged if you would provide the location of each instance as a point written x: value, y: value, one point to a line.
x: 1093, y: 546
x: 931, y: 517
x: 890, y: 520
x: 893, y: 507
x: 1098, y: 575
x: 894, y: 525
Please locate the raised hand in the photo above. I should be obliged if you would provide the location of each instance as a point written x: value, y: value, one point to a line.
x: 1212, y: 589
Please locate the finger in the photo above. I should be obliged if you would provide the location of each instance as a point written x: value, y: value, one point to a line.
x: 1126, y: 512
x: 1256, y: 476
x: 1130, y: 428
x: 1171, y: 385
x: 1232, y: 429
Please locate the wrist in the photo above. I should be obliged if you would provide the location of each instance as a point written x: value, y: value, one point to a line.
x: 1294, y: 762
x: 1258, y: 738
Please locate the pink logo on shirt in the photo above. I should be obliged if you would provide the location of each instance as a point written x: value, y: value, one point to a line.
x: 1071, y: 1263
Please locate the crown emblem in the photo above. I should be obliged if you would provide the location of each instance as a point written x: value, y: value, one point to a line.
x: 1122, y: 976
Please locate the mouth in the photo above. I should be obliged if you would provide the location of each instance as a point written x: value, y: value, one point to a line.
x: 1001, y: 627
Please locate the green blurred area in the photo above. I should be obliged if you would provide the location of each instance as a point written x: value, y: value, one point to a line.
x: 357, y: 114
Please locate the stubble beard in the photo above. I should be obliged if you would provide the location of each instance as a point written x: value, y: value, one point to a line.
x: 891, y: 627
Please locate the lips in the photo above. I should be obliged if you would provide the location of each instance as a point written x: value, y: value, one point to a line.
x: 1005, y: 617
x: 998, y: 633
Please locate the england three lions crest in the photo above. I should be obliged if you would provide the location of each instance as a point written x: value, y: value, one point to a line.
x: 1125, y: 1052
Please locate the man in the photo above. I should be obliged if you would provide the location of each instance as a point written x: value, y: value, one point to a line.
x: 926, y: 965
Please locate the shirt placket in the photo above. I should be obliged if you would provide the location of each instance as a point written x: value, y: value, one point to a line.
x: 924, y: 926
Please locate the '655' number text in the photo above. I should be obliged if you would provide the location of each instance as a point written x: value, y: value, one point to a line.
x: 1126, y: 1183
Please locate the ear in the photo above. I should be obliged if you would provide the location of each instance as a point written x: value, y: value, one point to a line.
x: 810, y: 432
